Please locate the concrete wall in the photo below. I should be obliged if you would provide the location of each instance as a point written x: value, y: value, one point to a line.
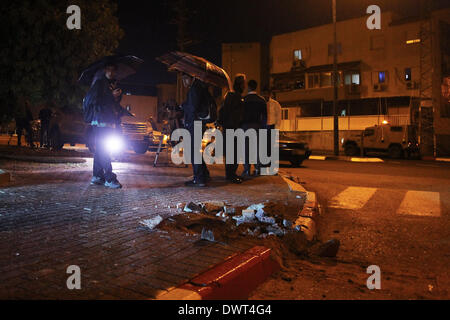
x: 309, y: 124
x: 242, y: 58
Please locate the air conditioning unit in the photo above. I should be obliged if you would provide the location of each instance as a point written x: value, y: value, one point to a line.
x: 299, y: 64
x: 411, y: 85
x: 378, y: 87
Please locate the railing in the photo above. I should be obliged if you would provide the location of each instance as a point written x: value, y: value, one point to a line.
x: 345, y: 123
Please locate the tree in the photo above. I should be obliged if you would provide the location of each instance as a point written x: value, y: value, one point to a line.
x: 41, y: 59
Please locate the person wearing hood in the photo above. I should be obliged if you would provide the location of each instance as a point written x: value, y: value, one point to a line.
x: 230, y: 117
x: 105, y: 97
x: 196, y: 100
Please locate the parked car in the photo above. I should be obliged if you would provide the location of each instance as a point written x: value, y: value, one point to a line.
x: 69, y: 127
x: 290, y: 150
x: 293, y: 151
x: 397, y: 141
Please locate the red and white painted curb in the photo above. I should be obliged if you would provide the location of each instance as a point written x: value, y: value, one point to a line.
x: 310, y: 212
x: 238, y: 276
x: 233, y: 279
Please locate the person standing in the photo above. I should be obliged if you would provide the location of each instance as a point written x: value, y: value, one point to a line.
x: 45, y: 115
x: 273, y: 117
x: 255, y: 117
x: 105, y: 97
x: 23, y: 117
x: 230, y: 117
x: 197, y: 99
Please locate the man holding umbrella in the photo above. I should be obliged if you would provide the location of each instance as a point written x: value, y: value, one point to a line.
x: 105, y: 97
x: 197, y: 73
x: 102, y: 109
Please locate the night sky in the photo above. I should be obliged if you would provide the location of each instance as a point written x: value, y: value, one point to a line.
x: 149, y: 32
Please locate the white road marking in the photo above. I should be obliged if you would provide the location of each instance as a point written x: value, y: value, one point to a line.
x: 421, y: 203
x: 352, y: 198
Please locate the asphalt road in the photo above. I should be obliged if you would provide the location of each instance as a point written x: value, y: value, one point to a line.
x: 395, y: 215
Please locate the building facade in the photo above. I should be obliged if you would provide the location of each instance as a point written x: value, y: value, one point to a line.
x: 380, y: 76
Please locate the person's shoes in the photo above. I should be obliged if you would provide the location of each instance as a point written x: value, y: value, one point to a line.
x: 235, y: 180
x: 113, y: 184
x: 257, y: 173
x: 97, y: 181
x: 193, y: 183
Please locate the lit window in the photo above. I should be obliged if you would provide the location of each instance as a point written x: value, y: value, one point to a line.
x: 381, y: 77
x: 352, y: 78
x: 297, y: 55
x: 412, y: 41
x: 325, y: 79
x: 355, y: 78
x: 408, y: 74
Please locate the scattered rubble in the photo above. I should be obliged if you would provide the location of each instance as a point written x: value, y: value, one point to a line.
x: 152, y: 223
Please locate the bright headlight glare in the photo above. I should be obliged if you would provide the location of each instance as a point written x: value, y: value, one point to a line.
x: 114, y: 144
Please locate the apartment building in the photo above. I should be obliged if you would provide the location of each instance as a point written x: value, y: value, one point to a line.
x: 379, y: 76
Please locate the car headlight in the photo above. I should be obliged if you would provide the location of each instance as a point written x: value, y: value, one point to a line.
x: 114, y: 144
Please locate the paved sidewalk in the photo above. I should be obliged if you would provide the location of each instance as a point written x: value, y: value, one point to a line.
x: 50, y: 218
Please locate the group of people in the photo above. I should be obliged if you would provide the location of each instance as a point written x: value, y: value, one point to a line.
x: 239, y: 111
x: 24, y: 117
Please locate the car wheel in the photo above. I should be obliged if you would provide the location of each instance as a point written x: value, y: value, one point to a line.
x: 140, y: 148
x: 351, y: 150
x: 296, y: 163
x: 395, y: 152
x: 55, y: 140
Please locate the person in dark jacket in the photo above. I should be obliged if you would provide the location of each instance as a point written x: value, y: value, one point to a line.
x: 45, y: 115
x: 255, y: 117
x: 230, y: 117
x: 23, y: 117
x: 106, y: 98
x: 197, y: 98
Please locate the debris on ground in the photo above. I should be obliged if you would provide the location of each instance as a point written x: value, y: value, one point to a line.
x: 152, y: 223
x: 207, y: 235
x: 330, y: 248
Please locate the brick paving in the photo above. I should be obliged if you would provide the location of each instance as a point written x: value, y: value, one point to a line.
x: 51, y: 218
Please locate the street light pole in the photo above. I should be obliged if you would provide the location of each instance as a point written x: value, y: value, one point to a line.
x: 335, y: 84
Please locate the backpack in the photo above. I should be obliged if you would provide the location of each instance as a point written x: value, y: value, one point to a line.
x: 88, y: 107
x: 209, y: 112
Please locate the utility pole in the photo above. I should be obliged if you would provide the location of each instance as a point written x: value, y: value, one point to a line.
x: 427, y: 137
x: 335, y: 84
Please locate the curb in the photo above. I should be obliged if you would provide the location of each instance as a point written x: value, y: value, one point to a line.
x: 310, y: 212
x: 436, y: 159
x: 344, y: 158
x: 5, y: 177
x: 43, y: 159
x: 233, y: 279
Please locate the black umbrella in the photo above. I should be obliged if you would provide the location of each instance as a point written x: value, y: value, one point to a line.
x: 126, y: 66
x: 197, y: 67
